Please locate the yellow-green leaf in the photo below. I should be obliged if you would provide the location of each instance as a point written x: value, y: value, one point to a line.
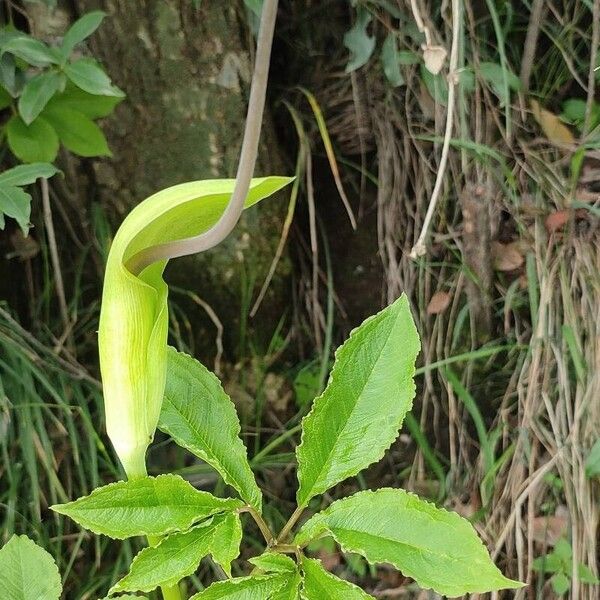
x: 134, y: 321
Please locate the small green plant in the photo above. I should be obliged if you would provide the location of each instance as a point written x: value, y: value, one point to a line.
x: 559, y: 564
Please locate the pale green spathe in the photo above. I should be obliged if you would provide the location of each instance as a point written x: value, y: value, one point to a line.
x: 134, y: 320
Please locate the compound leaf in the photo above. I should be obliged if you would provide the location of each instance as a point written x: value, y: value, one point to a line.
x: 257, y: 587
x: 28, y: 572
x: 175, y: 557
x: 199, y: 415
x: 151, y: 506
x: 437, y: 548
x: 359, y: 414
x: 318, y: 584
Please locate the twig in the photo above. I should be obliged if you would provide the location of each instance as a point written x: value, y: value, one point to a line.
x: 419, y: 249
x: 592, y: 72
x: 533, y: 31
x: 53, y: 248
x: 262, y: 525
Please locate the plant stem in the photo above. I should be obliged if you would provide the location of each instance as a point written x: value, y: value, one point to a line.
x: 288, y: 526
x: 262, y: 525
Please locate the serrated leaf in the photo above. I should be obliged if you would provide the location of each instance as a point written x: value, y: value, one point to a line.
x: 33, y: 51
x: 78, y: 133
x: 151, y: 506
x: 15, y: 203
x: 290, y: 589
x: 175, y: 557
x: 390, y: 61
x: 274, y: 562
x: 91, y: 105
x: 319, y: 584
x: 28, y: 572
x: 560, y: 583
x: 359, y: 414
x: 227, y: 539
x: 257, y: 587
x: 37, y: 142
x: 358, y: 41
x: 26, y: 174
x: 80, y: 30
x: 134, y: 318
x: 199, y: 415
x: 36, y: 94
x: 88, y: 75
x: 437, y: 548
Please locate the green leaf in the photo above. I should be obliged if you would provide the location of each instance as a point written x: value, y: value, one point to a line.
x: 27, y: 572
x: 319, y: 584
x: 436, y: 85
x: 274, y: 562
x: 88, y: 75
x: 15, y: 203
x: 37, y: 142
x: 494, y: 74
x: 78, y: 133
x: 359, y: 414
x: 560, y: 583
x: 550, y: 563
x: 91, y: 105
x: 437, y: 548
x: 199, y: 415
x: 36, y: 95
x: 80, y: 30
x: 5, y: 99
x: 151, y: 506
x: 592, y: 462
x: 26, y: 174
x: 391, y: 61
x: 33, y: 51
x: 586, y: 575
x: 257, y: 587
x: 358, y: 41
x: 290, y: 589
x: 227, y: 539
x: 175, y: 557
x: 134, y: 318
x: 126, y: 597
x: 563, y: 550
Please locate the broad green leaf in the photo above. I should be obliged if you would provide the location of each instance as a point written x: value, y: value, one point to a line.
x: 227, y: 539
x: 359, y: 414
x: 550, y: 563
x: 37, y: 142
x: 391, y: 61
x: 80, y: 30
x: 437, y: 548
x: 26, y: 174
x: 436, y: 85
x: 88, y: 75
x: 495, y: 75
x: 290, y: 589
x: 151, y: 506
x: 200, y: 416
x: 586, y: 575
x: 257, y: 587
x: 33, y: 51
x: 132, y: 336
x: 274, y: 562
x: 175, y: 557
x: 15, y: 203
x: 358, y: 41
x: 126, y: 597
x: 560, y: 583
x: 78, y: 133
x: 5, y: 99
x: 27, y: 572
x: 592, y: 462
x: 319, y: 584
x: 91, y: 105
x: 36, y: 95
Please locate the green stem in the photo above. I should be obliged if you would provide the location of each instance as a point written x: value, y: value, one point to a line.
x: 288, y: 526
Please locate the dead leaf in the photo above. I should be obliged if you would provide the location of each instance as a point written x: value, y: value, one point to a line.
x: 507, y: 257
x: 554, y: 129
x: 25, y: 247
x: 439, y: 303
x: 557, y: 220
x: 549, y: 529
x: 434, y: 57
